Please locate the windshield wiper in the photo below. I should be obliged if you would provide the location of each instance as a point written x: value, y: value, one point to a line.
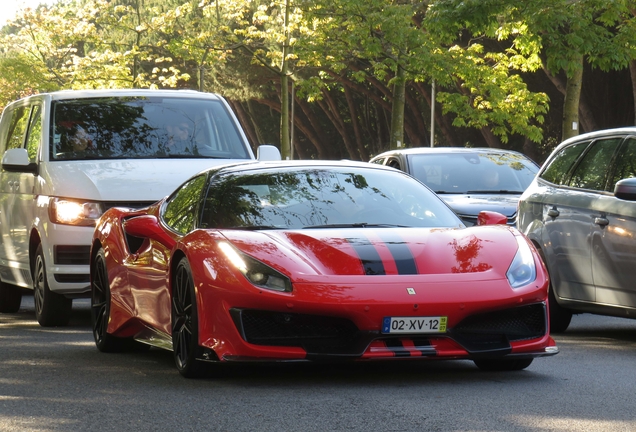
x: 357, y: 225
x: 494, y: 192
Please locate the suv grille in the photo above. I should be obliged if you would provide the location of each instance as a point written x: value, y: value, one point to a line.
x: 71, y: 255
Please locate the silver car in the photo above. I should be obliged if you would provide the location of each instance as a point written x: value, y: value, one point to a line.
x: 469, y: 180
x: 580, y: 212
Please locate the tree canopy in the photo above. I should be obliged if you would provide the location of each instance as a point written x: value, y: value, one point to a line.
x: 344, y: 78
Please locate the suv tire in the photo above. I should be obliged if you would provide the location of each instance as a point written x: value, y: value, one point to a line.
x: 51, y: 309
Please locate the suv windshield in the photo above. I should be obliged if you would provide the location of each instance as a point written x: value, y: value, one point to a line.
x: 143, y: 127
x: 322, y: 198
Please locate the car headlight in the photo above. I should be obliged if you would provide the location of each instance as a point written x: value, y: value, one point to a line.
x: 67, y: 212
x: 522, y: 271
x: 256, y: 272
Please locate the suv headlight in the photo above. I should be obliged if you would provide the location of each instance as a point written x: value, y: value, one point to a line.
x: 522, y: 271
x: 256, y: 272
x: 67, y: 212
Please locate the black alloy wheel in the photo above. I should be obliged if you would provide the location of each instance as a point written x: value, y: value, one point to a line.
x: 51, y: 309
x: 185, y: 323
x: 100, y: 306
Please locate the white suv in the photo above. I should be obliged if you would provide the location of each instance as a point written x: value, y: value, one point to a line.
x: 70, y: 155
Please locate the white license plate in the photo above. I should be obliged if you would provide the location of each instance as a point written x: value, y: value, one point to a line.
x: 435, y: 324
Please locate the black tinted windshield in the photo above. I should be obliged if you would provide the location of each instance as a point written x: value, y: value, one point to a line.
x: 143, y: 127
x: 460, y: 173
x: 322, y: 197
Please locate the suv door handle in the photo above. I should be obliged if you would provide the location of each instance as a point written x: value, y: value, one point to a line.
x: 602, y: 221
x: 553, y: 212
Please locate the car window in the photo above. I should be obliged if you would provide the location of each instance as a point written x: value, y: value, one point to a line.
x: 144, y: 127
x: 17, y: 127
x: 394, y: 162
x: 625, y: 163
x: 591, y: 172
x: 181, y: 208
x: 459, y: 173
x: 299, y: 198
x: 558, y: 168
x: 35, y: 132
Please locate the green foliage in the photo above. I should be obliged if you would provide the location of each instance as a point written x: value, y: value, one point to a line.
x: 476, y: 51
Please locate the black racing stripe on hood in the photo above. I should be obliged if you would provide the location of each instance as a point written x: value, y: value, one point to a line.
x: 402, y: 255
x: 368, y: 256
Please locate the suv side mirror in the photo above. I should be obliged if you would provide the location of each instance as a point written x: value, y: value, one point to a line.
x: 17, y: 160
x: 267, y: 152
x: 626, y: 189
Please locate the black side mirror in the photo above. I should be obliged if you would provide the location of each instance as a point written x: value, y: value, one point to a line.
x: 626, y: 189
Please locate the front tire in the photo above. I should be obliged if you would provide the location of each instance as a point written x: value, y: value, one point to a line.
x: 100, y: 306
x: 560, y: 317
x: 502, y: 365
x: 185, y: 323
x: 51, y: 309
x: 10, y: 298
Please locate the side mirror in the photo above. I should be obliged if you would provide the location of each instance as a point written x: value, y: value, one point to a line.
x: 147, y: 226
x: 626, y: 189
x: 17, y: 160
x: 267, y: 152
x: 491, y: 218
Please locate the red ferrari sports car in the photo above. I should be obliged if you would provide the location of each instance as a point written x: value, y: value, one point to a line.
x: 314, y: 260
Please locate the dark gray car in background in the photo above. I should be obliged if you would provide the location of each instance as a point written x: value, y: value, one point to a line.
x: 580, y: 212
x: 469, y: 180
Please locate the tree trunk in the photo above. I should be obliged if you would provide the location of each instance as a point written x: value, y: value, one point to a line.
x: 530, y: 150
x: 246, y: 123
x: 570, y: 126
x: 397, y: 110
x: 302, y: 127
x: 379, y: 99
x: 317, y: 135
x: 364, y: 154
x: 257, y: 128
x: 331, y: 109
x: 490, y: 138
x: 285, y: 145
x: 586, y: 115
x: 420, y: 138
x: 445, y: 126
x: 632, y: 73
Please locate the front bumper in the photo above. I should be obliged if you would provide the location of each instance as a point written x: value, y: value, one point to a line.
x: 518, y: 332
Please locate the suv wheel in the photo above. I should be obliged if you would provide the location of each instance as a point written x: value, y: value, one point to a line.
x: 10, y: 298
x: 560, y: 317
x: 51, y: 309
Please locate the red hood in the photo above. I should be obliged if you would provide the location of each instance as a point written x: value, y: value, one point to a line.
x: 384, y: 251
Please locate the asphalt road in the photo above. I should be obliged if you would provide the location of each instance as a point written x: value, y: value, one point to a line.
x: 56, y: 380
